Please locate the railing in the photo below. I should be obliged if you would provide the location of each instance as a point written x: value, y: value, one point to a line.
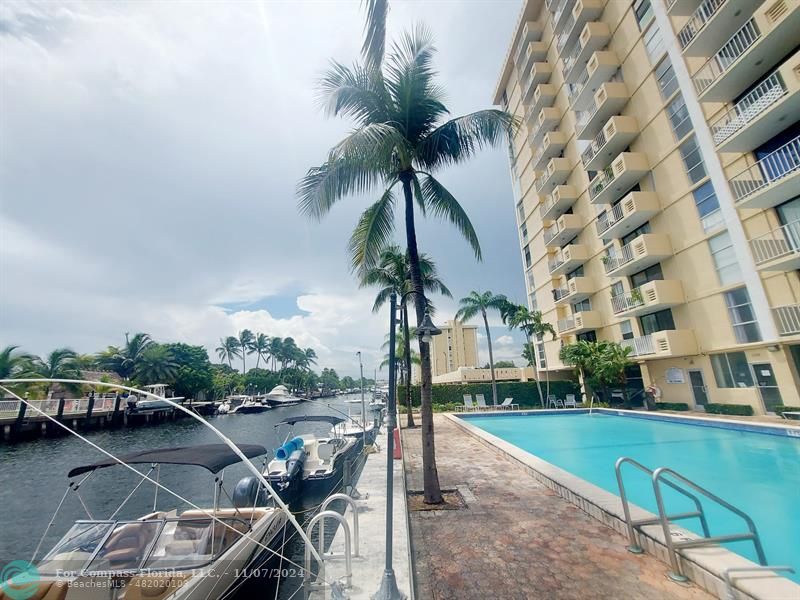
x: 594, y: 147
x: 767, y: 93
x: 560, y: 9
x: 609, y: 218
x: 560, y: 293
x: 640, y: 346
x: 738, y: 44
x: 576, y: 88
x: 555, y: 262
x: 550, y: 232
x: 50, y: 406
x: 787, y: 318
x: 625, y: 302
x: 778, y: 243
x: 773, y: 167
x: 562, y: 39
x: 539, y: 185
x: 569, y: 61
x: 601, y: 181
x: 698, y: 21
x: 566, y: 324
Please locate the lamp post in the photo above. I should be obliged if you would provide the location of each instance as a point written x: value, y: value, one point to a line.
x: 363, y: 404
x: 388, y: 589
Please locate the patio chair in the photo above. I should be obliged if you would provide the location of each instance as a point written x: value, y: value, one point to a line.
x: 554, y: 402
x: 481, y: 402
x: 569, y: 401
x: 468, y: 405
x: 508, y: 403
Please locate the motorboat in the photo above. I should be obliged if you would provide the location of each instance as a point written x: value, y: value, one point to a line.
x: 146, y: 403
x: 241, y: 404
x: 280, y: 396
x: 169, y: 553
x: 285, y: 472
x: 354, y: 429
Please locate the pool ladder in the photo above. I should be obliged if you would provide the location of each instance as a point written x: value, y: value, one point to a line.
x: 664, y: 519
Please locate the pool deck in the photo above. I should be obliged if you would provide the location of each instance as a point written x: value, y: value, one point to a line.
x: 517, y: 535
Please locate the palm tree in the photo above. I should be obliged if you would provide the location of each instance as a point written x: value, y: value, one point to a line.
x: 260, y: 347
x: 402, y: 136
x: 393, y: 274
x: 534, y: 326
x: 12, y: 362
x: 288, y: 354
x: 229, y: 349
x: 479, y: 303
x: 583, y: 356
x: 275, y: 350
x: 246, y: 344
x: 59, y: 364
x: 309, y: 358
x: 156, y: 365
x: 123, y: 360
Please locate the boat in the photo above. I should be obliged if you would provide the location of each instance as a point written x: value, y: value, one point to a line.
x: 169, y: 553
x: 354, y: 429
x: 285, y: 472
x: 241, y: 404
x: 280, y: 396
x: 146, y: 403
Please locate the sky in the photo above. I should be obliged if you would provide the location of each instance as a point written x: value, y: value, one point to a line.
x: 149, y: 154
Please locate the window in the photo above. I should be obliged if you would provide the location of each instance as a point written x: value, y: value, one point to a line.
x: 643, y: 12
x: 541, y: 355
x: 708, y: 206
x: 665, y: 77
x: 576, y: 273
x: 581, y: 306
x: 693, y: 160
x: 520, y: 212
x: 657, y: 321
x: 642, y: 229
x: 626, y: 329
x: 654, y: 44
x: 528, y: 261
x: 679, y: 117
x: 731, y: 370
x: 524, y: 230
x: 724, y: 257
x: 652, y: 273
x: 534, y: 303
x: 587, y: 336
x: 743, y: 319
x: 617, y: 289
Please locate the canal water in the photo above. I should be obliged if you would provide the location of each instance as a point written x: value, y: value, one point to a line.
x: 33, y: 477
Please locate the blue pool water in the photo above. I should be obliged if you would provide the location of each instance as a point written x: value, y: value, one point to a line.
x: 758, y: 473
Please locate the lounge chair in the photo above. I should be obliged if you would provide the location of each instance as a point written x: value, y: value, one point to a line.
x: 569, y: 401
x: 468, y: 405
x: 554, y: 402
x: 481, y: 402
x: 508, y: 404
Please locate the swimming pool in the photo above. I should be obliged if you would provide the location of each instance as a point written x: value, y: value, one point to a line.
x: 756, y: 472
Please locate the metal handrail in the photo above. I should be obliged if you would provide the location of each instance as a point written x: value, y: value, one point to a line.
x: 749, y: 107
x: 697, y: 21
x: 594, y: 147
x: 739, y: 43
x: 673, y: 546
x: 353, y: 506
x: 775, y: 166
x: 308, y: 585
x: 631, y: 524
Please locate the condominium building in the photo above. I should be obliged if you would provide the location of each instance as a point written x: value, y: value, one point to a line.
x: 456, y: 347
x: 657, y: 187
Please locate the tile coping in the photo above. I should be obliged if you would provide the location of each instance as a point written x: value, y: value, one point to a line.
x: 704, y: 566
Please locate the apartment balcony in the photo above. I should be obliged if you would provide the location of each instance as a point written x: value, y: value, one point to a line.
x: 649, y: 298
x: 778, y: 250
x: 540, y: 73
x: 644, y: 251
x: 552, y: 145
x: 662, y: 344
x: 750, y: 52
x: 608, y: 101
x: 633, y: 211
x: 561, y: 13
x: 766, y: 109
x: 543, y: 97
x: 770, y: 181
x: 614, y: 137
x: 535, y: 52
x: 546, y: 121
x: 531, y: 32
x: 583, y: 11
x: 601, y: 67
x: 568, y: 259
x: 580, y: 322
x: 564, y: 229
x: 595, y: 36
x: 576, y: 289
x: 682, y: 8
x: 562, y: 197
x: 556, y: 173
x: 787, y: 319
x: 711, y: 24
x: 610, y: 184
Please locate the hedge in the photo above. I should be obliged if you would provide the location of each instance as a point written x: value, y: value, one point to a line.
x: 781, y: 408
x: 679, y: 406
x: 743, y: 410
x: 525, y: 393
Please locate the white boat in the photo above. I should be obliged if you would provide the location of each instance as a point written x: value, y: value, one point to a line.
x: 241, y: 404
x: 144, y: 403
x: 280, y: 396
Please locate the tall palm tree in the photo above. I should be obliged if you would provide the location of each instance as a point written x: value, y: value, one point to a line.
x: 156, y: 365
x: 246, y: 339
x: 59, y: 364
x: 275, y: 350
x: 288, y: 354
x: 534, y: 326
x: 403, y: 135
x: 12, y: 362
x: 260, y: 347
x: 477, y: 303
x: 393, y: 274
x: 123, y: 360
x: 229, y: 349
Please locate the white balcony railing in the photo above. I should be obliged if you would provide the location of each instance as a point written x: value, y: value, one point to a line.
x: 787, y: 318
x: 609, y: 218
x: 640, y: 346
x: 773, y: 167
x: 566, y: 324
x: 764, y: 95
x: 614, y: 262
x: 778, y: 243
x: 560, y: 293
x: 739, y: 43
x: 570, y: 59
x: 576, y: 88
x: 601, y: 181
x: 624, y: 302
x: 594, y: 147
x: 556, y: 261
x: 562, y: 39
x: 550, y: 232
x: 698, y: 21
x: 50, y: 406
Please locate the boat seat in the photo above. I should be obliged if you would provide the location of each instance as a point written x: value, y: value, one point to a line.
x: 47, y: 590
x: 325, y: 451
x: 245, y: 514
x: 153, y: 587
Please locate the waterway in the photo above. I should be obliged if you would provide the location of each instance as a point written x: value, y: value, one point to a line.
x: 33, y: 476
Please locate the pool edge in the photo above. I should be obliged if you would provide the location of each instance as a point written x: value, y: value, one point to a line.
x: 704, y: 566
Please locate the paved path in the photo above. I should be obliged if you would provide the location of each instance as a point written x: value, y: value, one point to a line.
x: 517, y: 539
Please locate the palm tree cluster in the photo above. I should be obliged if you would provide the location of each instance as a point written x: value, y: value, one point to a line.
x: 278, y: 353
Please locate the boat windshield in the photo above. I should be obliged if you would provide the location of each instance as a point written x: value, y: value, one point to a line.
x: 73, y: 551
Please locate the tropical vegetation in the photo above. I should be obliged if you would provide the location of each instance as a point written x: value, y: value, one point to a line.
x: 533, y: 325
x: 600, y: 366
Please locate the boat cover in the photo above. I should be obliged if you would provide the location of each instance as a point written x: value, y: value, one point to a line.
x: 333, y: 420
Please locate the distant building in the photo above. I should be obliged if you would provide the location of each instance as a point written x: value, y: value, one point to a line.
x: 456, y: 347
x: 473, y: 375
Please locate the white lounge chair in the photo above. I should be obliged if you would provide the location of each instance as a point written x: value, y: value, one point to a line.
x: 481, y: 402
x: 468, y: 405
x: 569, y: 401
x: 554, y: 402
x: 508, y: 404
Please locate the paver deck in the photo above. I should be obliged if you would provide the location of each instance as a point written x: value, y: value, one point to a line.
x: 517, y: 539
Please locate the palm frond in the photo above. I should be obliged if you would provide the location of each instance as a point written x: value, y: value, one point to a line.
x: 356, y: 92
x: 382, y: 298
x: 444, y: 205
x: 467, y: 311
x: 377, y: 144
x: 374, y: 229
x: 375, y: 32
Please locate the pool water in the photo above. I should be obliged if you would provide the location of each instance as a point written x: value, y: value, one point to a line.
x: 757, y: 473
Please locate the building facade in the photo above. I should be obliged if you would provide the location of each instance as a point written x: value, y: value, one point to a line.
x: 456, y: 347
x: 657, y: 187
x: 478, y: 375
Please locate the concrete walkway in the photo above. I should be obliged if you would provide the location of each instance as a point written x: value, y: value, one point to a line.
x: 516, y: 539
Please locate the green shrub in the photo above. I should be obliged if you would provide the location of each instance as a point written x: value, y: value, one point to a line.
x: 524, y: 393
x: 781, y: 408
x: 680, y: 406
x: 743, y: 410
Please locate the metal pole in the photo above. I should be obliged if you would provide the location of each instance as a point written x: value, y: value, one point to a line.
x: 388, y: 589
x: 363, y: 403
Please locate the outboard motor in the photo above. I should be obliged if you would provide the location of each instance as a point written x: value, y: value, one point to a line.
x: 248, y: 493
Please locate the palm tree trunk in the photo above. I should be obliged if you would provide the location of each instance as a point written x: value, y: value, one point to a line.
x: 258, y: 359
x: 407, y: 350
x: 433, y: 493
x: 535, y: 367
x: 244, y: 367
x: 491, y: 356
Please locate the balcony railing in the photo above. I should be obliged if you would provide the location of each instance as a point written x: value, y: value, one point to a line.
x: 778, y: 243
x: 787, y: 318
x: 594, y: 147
x: 609, y: 218
x: 569, y: 61
x: 773, y: 167
x: 698, y: 21
x: 560, y: 293
x: 555, y: 262
x: 613, y: 262
x: 559, y: 10
x: 576, y: 88
x: 738, y: 44
x: 625, y: 302
x: 601, y: 181
x: 550, y: 232
x: 640, y: 346
x: 566, y: 324
x: 767, y: 93
x: 562, y: 39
